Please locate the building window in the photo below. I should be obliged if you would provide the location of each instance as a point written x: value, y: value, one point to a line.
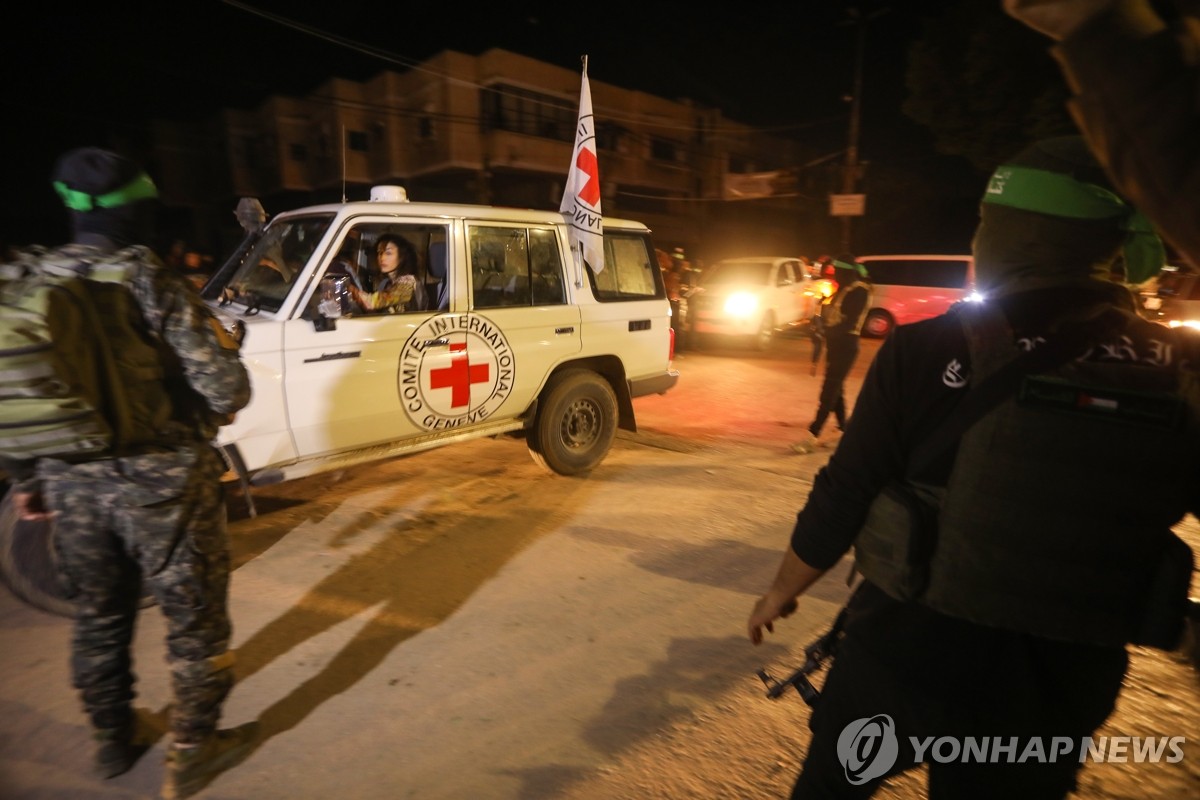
x: 425, y: 129
x: 508, y: 108
x: 298, y: 152
x: 357, y: 141
x: 664, y: 150
x: 608, y: 136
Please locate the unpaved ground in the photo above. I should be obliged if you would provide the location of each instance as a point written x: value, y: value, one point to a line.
x: 459, y: 625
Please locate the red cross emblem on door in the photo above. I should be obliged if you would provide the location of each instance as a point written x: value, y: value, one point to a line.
x: 459, y: 376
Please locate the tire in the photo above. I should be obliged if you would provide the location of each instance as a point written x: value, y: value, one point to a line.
x: 764, y: 340
x: 878, y: 324
x: 29, y: 564
x: 576, y: 423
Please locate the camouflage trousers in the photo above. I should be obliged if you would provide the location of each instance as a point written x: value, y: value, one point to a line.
x: 156, y: 519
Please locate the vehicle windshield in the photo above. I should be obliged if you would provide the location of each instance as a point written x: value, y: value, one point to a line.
x: 727, y: 274
x: 270, y: 266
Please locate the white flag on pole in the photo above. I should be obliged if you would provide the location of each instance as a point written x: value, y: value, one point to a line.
x: 581, y: 196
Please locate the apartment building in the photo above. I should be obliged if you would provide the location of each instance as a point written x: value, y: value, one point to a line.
x: 496, y: 128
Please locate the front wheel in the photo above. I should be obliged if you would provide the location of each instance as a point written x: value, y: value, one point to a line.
x: 576, y: 423
x: 765, y: 338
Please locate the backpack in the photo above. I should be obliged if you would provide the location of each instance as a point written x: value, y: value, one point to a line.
x: 79, y: 376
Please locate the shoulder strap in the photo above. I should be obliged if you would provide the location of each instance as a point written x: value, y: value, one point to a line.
x: 990, y: 336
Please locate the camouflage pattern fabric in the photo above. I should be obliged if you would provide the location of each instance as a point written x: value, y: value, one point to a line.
x: 157, y: 518
x: 155, y: 515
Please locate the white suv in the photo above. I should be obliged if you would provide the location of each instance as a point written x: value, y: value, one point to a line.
x: 751, y: 299
x: 506, y: 334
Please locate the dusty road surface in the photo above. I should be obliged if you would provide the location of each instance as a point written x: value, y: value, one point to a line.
x: 460, y: 625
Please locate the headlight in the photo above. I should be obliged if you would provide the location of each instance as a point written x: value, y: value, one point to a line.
x: 741, y: 304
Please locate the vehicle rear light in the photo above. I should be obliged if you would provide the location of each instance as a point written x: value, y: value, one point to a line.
x: 671, y: 351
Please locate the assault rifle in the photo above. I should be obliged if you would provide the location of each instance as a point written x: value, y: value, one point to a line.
x: 815, y: 655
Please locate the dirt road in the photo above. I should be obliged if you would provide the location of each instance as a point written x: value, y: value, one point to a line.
x: 460, y: 625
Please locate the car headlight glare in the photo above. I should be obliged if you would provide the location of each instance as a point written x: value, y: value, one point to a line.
x: 741, y: 304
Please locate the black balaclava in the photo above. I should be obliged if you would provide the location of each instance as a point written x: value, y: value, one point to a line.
x: 1050, y: 218
x: 107, y: 196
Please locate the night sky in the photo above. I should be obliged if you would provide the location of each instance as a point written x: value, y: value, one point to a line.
x: 83, y: 74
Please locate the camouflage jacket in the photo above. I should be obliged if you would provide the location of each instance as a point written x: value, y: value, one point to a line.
x: 204, y: 373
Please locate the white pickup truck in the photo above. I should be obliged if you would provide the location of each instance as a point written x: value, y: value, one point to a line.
x: 507, y: 332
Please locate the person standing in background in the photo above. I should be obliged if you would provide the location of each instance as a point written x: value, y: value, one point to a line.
x: 841, y: 321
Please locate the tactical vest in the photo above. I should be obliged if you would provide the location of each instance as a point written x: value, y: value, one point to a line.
x: 832, y: 315
x: 80, y: 374
x: 1060, y: 501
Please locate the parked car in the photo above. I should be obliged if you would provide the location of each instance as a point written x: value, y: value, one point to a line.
x: 751, y: 299
x: 910, y: 288
x: 1176, y: 300
x: 513, y: 336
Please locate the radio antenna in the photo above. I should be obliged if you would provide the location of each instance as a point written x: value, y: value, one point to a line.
x: 343, y: 162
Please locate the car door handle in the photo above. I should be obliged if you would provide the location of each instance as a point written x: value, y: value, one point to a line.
x: 333, y: 356
x: 441, y: 342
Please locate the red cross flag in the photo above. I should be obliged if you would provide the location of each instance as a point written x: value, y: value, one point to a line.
x: 581, y: 195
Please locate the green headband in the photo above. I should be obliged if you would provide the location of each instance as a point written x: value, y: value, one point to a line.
x: 1059, y: 195
x: 855, y: 267
x: 139, y: 188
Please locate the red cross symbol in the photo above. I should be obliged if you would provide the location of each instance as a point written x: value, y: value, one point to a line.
x: 459, y: 376
x: 586, y: 161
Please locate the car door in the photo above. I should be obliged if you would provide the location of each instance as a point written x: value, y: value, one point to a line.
x: 351, y: 378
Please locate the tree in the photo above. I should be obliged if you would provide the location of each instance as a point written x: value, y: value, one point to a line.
x: 984, y: 84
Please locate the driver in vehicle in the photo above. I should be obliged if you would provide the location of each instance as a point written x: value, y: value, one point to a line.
x: 397, y: 288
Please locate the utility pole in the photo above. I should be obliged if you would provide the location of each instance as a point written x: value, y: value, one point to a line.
x: 850, y: 168
x: 852, y: 203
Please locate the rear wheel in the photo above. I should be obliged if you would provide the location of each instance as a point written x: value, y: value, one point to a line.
x: 878, y: 324
x: 576, y: 423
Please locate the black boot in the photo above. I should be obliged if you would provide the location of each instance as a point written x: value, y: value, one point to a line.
x: 117, y: 749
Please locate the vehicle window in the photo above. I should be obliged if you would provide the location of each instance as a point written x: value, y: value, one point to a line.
x: 944, y: 274
x: 755, y: 273
x: 919, y: 272
x: 271, y: 267
x: 787, y: 274
x: 547, y: 287
x: 515, y: 267
x: 630, y: 269
x: 355, y: 282
x: 889, y: 272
